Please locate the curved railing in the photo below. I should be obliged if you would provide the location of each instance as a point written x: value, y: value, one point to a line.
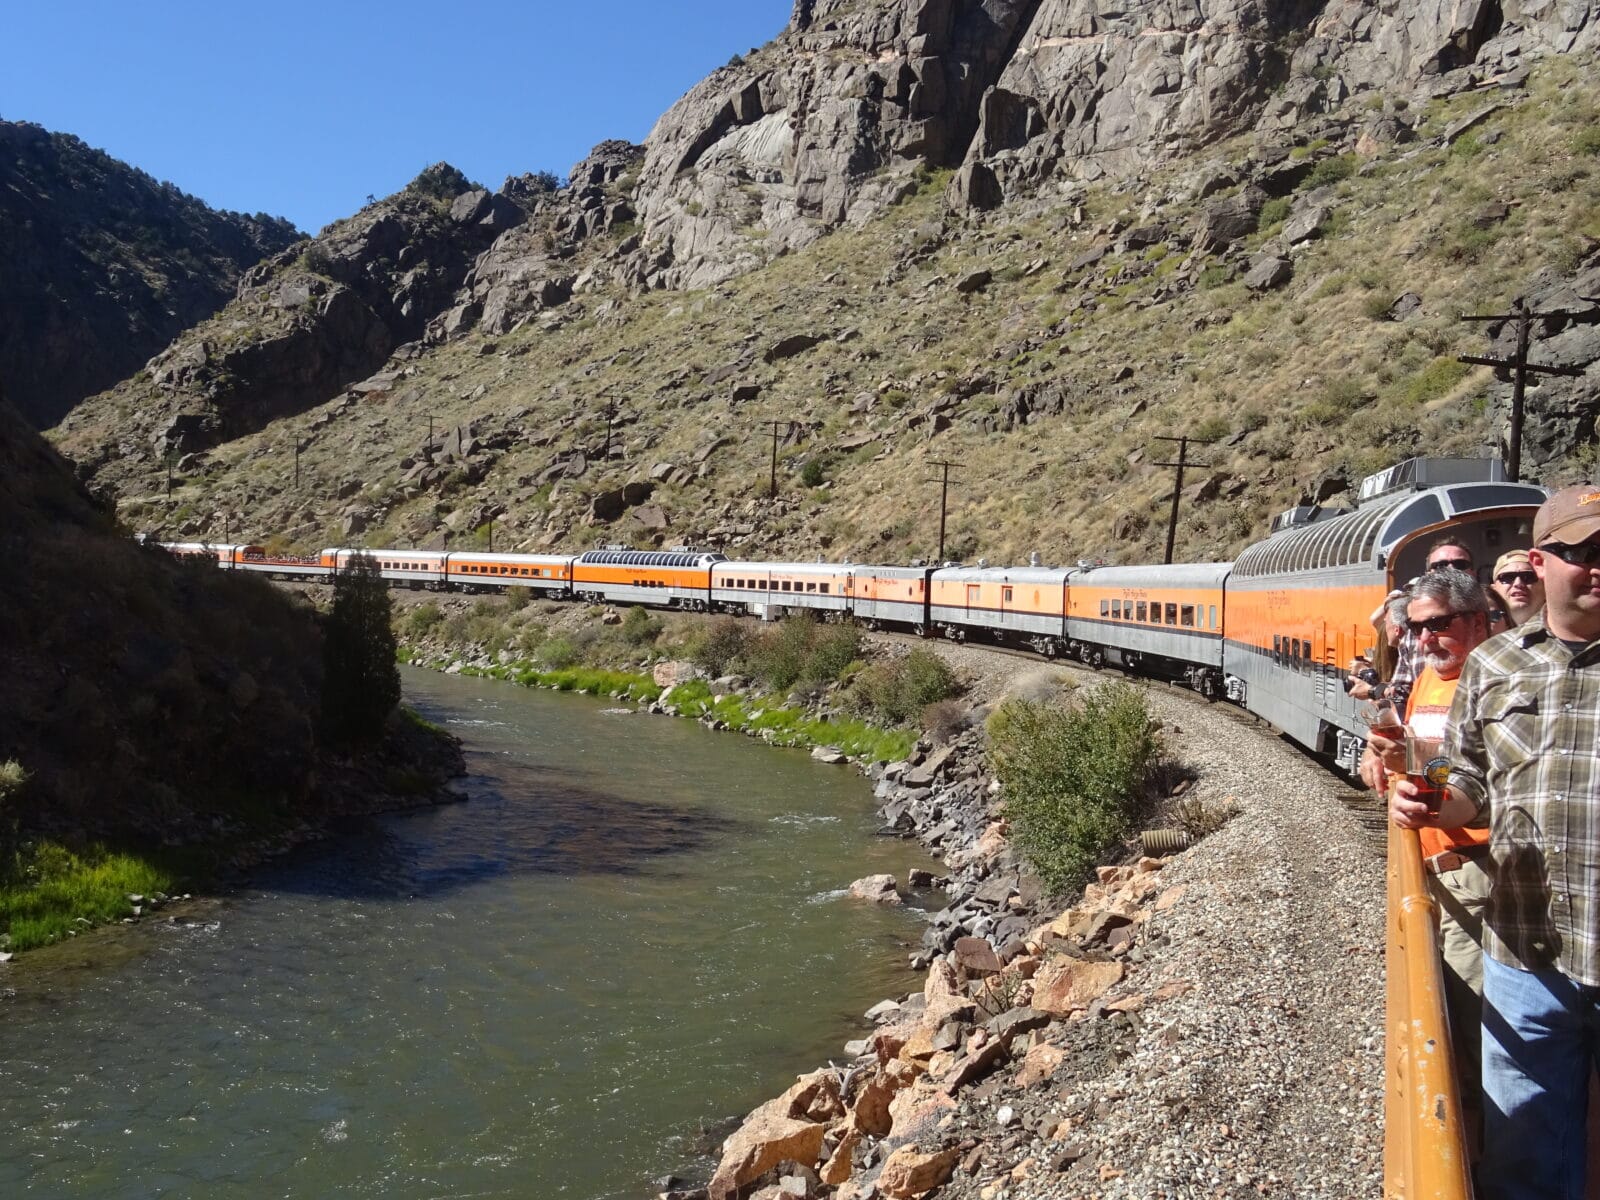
x: 1424, y: 1148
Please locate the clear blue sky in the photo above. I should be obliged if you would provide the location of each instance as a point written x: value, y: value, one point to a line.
x: 300, y: 109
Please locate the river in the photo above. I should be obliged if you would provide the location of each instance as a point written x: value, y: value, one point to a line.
x: 632, y: 929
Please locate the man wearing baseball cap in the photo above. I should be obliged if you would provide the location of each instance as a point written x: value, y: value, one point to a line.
x: 1519, y: 583
x: 1524, y: 749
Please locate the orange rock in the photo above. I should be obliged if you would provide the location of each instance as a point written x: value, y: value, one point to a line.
x: 1111, y: 876
x: 870, y: 1110
x: 839, y: 1167
x: 768, y: 1137
x: 1170, y: 897
x: 1148, y: 864
x: 1067, y: 984
x: 1039, y: 1064
x: 1169, y: 990
x: 941, y: 982
x: 910, y: 1172
x: 1125, y: 1004
x: 916, y: 1111
x: 814, y: 1097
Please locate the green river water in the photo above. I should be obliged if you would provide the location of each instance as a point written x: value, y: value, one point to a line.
x: 632, y: 930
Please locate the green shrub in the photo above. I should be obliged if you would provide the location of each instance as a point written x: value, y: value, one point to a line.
x: 1073, y: 779
x: 12, y: 780
x: 54, y: 887
x: 422, y: 619
x: 833, y: 648
x: 813, y: 473
x: 1275, y: 212
x: 1212, y: 429
x: 556, y: 653
x: 1587, y: 141
x: 639, y: 628
x: 899, y: 689
x: 1214, y: 276
x: 1331, y: 170
x: 720, y: 646
x: 1433, y: 381
x: 778, y: 655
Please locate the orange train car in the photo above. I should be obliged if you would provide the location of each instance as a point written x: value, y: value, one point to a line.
x: 768, y: 588
x: 1299, y: 603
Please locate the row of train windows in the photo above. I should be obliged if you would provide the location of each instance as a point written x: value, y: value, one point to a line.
x: 1183, y: 615
x: 1292, y: 651
x: 783, y: 585
x: 522, y: 571
x: 405, y: 566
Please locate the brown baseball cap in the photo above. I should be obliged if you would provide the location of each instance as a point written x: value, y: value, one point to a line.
x: 1511, y: 558
x: 1572, y: 515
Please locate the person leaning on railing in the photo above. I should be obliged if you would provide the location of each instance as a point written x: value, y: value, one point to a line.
x: 1524, y: 750
x: 1448, y: 613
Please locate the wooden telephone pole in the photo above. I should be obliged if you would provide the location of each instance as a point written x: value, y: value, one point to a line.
x: 610, y: 412
x: 775, y: 424
x: 944, y: 494
x: 1177, y: 487
x: 1521, y: 368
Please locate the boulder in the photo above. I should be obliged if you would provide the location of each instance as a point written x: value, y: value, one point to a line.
x: 1066, y: 985
x: 768, y: 1137
x: 974, y: 281
x: 976, y: 957
x: 1306, y: 223
x: 880, y: 889
x: 1268, y: 272
x: 670, y: 674
x: 1224, y: 222
x: 911, y: 1171
x: 795, y: 343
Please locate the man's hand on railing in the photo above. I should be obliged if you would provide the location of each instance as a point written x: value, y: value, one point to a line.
x: 1406, y: 811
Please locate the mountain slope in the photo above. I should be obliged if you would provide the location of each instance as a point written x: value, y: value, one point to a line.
x: 1289, y: 295
x: 101, y: 266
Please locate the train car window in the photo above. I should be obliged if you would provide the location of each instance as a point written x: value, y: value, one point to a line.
x: 1213, y: 616
x: 1155, y: 614
x: 1186, y: 616
x: 823, y: 588
x: 811, y: 587
x: 1105, y: 608
x: 1294, y: 652
x: 1116, y: 609
x: 1005, y: 596
x: 785, y: 585
x: 1140, y: 610
x: 1172, y: 614
x: 1413, y: 516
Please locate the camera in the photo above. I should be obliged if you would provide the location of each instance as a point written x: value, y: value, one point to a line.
x: 1366, y: 675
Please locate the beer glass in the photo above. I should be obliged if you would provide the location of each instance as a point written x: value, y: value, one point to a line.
x: 1427, y: 768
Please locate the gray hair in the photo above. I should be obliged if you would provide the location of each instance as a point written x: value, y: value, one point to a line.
x: 1395, y: 611
x: 1456, y: 590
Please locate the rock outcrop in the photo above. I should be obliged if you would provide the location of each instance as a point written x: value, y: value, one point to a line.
x: 103, y: 266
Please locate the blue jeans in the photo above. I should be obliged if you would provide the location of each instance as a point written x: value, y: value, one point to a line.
x: 1541, y: 1032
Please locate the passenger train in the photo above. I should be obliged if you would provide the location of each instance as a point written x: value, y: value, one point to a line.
x: 1273, y: 631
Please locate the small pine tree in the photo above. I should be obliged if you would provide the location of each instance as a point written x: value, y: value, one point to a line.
x: 360, y: 681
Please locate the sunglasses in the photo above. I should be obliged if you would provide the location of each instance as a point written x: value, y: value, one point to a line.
x: 1456, y: 564
x: 1433, y: 624
x: 1524, y: 577
x: 1584, y: 554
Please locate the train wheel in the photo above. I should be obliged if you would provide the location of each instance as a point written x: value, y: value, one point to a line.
x: 1097, y: 658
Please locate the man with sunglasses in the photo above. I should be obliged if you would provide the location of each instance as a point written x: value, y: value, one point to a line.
x: 1524, y: 748
x: 1446, y: 554
x: 1519, y: 583
x: 1448, y: 615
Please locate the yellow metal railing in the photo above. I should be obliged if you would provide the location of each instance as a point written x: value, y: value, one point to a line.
x: 1424, y: 1148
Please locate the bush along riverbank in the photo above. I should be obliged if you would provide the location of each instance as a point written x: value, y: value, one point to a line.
x: 796, y: 683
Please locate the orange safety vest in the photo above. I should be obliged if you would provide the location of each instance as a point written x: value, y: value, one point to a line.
x: 1427, y: 713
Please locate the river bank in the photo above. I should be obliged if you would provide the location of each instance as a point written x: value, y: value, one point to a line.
x: 61, y: 890
x: 1205, y: 1025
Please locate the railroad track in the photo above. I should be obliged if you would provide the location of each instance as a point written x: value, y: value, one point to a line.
x: 1365, y: 808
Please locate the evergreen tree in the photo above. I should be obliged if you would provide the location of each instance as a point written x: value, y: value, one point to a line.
x: 360, y: 682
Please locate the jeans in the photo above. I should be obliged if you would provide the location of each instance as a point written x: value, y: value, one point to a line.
x: 1541, y: 1032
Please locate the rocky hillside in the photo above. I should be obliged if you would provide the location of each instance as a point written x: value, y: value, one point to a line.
x: 1026, y: 238
x: 101, y: 266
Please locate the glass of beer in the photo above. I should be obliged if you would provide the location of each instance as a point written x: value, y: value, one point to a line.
x: 1427, y: 768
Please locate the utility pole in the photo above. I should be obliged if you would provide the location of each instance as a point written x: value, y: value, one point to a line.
x: 428, y: 450
x: 297, y: 462
x: 944, y: 496
x: 491, y: 535
x: 611, y: 410
x: 775, y: 424
x: 1521, y: 368
x: 1177, y: 487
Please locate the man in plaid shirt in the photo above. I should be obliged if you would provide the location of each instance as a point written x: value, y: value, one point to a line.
x: 1524, y: 746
